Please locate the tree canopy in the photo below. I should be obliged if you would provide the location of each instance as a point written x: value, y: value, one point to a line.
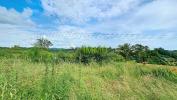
x: 43, y: 43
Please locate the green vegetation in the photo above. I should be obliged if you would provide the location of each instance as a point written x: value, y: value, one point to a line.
x: 43, y: 43
x: 86, y: 55
x: 142, y: 54
x: 20, y: 79
x: 87, y: 73
x: 83, y: 55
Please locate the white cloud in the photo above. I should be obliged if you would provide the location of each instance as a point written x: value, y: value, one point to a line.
x: 69, y: 36
x: 17, y: 35
x: 11, y: 16
x: 157, y: 15
x: 119, y: 21
x: 85, y: 10
x: 16, y: 27
x: 152, y: 23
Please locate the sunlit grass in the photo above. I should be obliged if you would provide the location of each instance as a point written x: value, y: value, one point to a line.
x: 20, y: 79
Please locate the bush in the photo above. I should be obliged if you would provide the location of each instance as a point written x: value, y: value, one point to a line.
x: 115, y: 57
x: 66, y: 56
x: 5, y: 53
x: 87, y: 54
x: 40, y: 55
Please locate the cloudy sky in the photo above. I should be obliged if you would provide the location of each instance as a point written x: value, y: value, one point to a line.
x: 73, y: 23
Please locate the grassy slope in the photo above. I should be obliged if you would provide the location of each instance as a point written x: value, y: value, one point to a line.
x: 114, y: 81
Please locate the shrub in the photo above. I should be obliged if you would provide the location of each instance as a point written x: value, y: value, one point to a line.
x: 115, y: 57
x: 5, y: 53
x: 40, y: 55
x: 66, y: 56
x: 87, y: 54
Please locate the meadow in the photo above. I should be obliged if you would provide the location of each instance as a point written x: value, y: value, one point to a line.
x: 88, y: 49
x: 24, y: 80
x: 87, y: 73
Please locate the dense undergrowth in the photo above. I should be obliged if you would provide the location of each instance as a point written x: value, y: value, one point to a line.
x: 86, y: 55
x: 21, y: 79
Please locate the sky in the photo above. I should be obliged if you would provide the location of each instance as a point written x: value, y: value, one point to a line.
x: 74, y: 23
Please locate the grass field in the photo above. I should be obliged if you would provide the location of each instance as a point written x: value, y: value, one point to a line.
x: 65, y: 81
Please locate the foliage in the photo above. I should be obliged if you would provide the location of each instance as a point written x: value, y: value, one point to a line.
x: 125, y: 50
x: 142, y: 54
x: 86, y: 55
x: 66, y: 56
x: 40, y: 55
x: 112, y: 56
x: 43, y: 43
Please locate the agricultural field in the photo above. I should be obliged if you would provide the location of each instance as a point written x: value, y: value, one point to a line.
x: 24, y: 80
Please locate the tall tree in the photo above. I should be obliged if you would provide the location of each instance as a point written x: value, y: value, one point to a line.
x: 125, y: 50
x: 140, y: 52
x: 43, y: 43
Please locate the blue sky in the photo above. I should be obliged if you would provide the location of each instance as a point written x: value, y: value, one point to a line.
x: 73, y: 23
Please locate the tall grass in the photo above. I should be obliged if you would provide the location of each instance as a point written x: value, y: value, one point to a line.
x: 23, y: 80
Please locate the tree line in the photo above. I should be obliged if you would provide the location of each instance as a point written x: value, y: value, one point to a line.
x: 40, y: 52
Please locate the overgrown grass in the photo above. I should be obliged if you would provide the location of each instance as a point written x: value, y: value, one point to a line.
x: 22, y: 80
